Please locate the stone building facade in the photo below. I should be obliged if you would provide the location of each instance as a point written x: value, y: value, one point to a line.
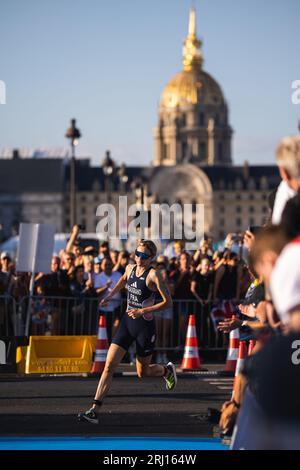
x: 192, y: 164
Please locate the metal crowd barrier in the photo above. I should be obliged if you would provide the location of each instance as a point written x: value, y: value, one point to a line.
x: 79, y: 316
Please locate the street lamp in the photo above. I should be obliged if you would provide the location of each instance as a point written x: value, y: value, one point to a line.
x: 123, y: 178
x: 108, y: 166
x: 74, y: 135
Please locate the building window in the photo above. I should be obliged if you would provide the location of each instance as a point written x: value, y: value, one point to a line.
x: 217, y: 120
x: 238, y: 197
x: 238, y: 209
x: 165, y: 151
x: 222, y: 222
x: 221, y: 197
x: 222, y: 210
x: 238, y: 222
x: 251, y: 221
x: 83, y: 198
x: 251, y: 209
x: 184, y: 150
x: 202, y: 150
x: 264, y: 210
x: 201, y: 119
x: 251, y: 197
x: 220, y: 151
x: 264, y: 197
x: 221, y: 235
x: 83, y: 211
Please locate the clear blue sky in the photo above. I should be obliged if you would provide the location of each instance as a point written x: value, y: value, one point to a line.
x: 106, y: 63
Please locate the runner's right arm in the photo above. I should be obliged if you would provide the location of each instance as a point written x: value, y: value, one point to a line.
x: 120, y: 284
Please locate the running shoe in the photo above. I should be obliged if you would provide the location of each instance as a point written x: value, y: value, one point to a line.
x: 89, y: 415
x: 171, y: 378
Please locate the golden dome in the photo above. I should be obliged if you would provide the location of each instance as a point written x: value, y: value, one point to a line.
x: 190, y: 88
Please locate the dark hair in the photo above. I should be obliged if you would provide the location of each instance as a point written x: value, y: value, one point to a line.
x: 290, y: 219
x: 77, y: 268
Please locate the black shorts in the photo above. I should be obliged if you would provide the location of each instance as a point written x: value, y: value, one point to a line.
x: 141, y: 331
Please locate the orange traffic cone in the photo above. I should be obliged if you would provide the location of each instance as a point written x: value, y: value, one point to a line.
x: 101, y: 347
x: 240, y: 362
x: 241, y: 357
x: 191, y: 359
x: 233, y: 350
x: 252, y: 343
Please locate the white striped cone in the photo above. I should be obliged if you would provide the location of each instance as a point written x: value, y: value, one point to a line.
x: 191, y: 359
x: 240, y: 362
x: 233, y: 350
x: 101, y: 347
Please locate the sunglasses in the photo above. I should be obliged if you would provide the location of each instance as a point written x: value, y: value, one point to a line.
x: 141, y: 254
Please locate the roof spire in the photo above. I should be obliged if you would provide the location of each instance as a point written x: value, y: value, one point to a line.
x: 192, y: 54
x: 192, y: 22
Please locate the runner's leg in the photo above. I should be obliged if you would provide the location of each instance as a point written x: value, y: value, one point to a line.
x: 114, y: 357
x: 144, y: 368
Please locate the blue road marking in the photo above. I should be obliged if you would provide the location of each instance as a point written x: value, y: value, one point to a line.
x: 110, y: 443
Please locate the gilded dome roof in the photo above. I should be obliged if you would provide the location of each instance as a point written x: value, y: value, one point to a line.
x: 191, y: 87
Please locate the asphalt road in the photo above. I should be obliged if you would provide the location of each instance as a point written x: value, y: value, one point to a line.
x: 48, y: 406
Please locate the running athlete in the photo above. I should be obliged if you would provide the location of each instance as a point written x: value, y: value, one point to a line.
x: 138, y: 324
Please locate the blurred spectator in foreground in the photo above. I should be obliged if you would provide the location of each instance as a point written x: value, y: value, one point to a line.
x: 288, y: 161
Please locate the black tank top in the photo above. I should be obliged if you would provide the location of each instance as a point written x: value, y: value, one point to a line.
x: 138, y: 293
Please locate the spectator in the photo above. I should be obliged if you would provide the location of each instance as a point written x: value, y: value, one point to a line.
x: 80, y: 290
x: 107, y: 281
x: 203, y: 252
x: 123, y: 260
x: 104, y: 249
x: 202, y: 281
x: 226, y: 279
x: 163, y: 317
x: 180, y: 287
x: 288, y: 160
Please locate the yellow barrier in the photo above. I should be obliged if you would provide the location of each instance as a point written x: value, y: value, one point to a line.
x: 57, y: 354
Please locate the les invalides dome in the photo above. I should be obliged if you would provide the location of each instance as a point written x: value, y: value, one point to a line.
x: 193, y: 115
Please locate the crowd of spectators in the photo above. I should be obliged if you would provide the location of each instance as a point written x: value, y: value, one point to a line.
x: 264, y: 410
x: 67, y: 300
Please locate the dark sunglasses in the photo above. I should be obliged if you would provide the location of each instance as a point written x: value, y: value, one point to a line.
x: 141, y: 254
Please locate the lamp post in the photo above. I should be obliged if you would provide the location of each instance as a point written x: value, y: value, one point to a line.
x: 74, y: 135
x: 123, y: 178
x: 108, y: 166
x: 123, y: 222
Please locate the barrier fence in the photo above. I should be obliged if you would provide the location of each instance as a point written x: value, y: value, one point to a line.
x: 79, y: 316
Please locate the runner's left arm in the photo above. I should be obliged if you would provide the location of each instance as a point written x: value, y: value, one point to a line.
x: 157, y: 279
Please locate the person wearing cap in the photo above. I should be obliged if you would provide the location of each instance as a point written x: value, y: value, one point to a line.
x: 5, y: 259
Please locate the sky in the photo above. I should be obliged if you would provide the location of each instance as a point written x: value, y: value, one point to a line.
x: 106, y: 63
